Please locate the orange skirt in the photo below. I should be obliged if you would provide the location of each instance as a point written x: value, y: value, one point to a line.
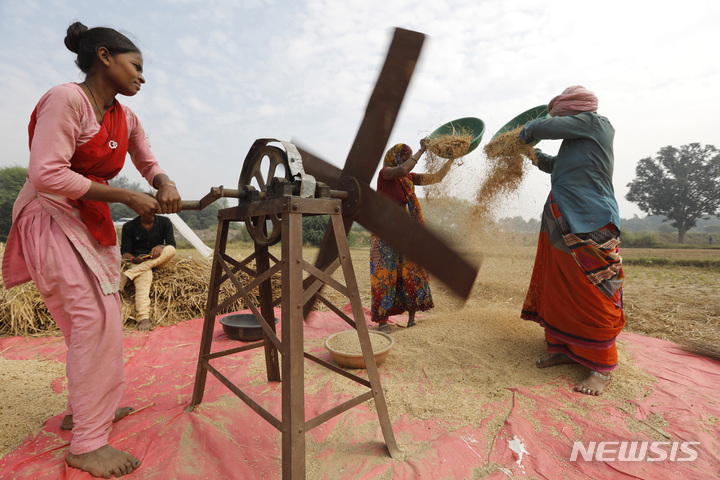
x: 575, y: 291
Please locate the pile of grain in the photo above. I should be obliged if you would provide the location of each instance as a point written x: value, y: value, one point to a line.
x: 506, y: 158
x: 349, y: 342
x: 454, y: 145
x: 29, y: 400
x: 178, y: 292
x: 439, y: 149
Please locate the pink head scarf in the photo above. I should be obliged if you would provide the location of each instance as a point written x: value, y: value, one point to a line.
x: 573, y: 100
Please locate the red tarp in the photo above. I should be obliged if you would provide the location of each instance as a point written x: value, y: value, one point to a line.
x: 224, y: 439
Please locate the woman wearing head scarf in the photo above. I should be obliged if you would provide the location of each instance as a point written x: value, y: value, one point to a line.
x: 575, y: 291
x: 399, y: 285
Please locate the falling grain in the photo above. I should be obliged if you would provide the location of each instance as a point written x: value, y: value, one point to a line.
x: 506, y: 157
x: 439, y: 149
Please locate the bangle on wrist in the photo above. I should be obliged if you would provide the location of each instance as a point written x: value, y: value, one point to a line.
x: 172, y: 184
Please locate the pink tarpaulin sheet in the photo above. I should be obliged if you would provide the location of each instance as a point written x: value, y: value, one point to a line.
x: 224, y: 439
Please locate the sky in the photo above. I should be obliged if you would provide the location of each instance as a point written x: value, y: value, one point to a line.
x: 222, y: 73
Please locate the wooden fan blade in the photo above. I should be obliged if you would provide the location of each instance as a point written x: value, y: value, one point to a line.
x: 384, y: 104
x: 330, y: 175
x: 318, y: 168
x: 383, y: 217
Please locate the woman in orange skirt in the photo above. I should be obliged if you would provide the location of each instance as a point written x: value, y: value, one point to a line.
x: 575, y: 291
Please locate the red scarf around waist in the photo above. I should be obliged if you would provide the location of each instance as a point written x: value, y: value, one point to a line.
x: 98, y: 162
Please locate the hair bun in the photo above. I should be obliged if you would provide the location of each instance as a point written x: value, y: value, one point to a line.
x: 74, y: 34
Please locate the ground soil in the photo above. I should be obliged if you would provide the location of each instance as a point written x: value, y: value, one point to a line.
x: 479, y: 345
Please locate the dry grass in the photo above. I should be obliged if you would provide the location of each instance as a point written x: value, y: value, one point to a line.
x: 178, y: 292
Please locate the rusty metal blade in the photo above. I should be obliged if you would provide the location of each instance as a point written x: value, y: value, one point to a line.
x: 384, y: 104
x: 386, y: 219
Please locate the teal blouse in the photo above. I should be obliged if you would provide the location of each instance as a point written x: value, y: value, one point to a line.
x: 581, y: 173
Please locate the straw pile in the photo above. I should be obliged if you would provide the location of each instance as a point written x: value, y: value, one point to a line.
x: 179, y: 292
x: 506, y: 155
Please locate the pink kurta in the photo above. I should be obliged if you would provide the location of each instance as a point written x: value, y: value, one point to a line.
x: 77, y: 277
x: 65, y: 120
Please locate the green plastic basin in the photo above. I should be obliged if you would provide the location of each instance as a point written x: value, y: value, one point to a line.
x: 473, y: 126
x: 536, y: 112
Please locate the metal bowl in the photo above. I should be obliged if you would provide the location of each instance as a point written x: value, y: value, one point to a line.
x: 242, y: 326
x: 356, y: 360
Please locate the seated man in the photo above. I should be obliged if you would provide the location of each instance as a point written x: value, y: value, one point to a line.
x: 147, y: 242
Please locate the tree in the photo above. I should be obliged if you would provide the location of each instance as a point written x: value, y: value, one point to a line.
x: 206, y: 218
x: 12, y: 180
x: 120, y: 210
x: 313, y: 229
x: 196, y: 219
x: 683, y: 184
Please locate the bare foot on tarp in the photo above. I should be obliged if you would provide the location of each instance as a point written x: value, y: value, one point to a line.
x: 104, y: 462
x: 120, y: 413
x: 144, y: 325
x: 594, y: 384
x: 552, y: 360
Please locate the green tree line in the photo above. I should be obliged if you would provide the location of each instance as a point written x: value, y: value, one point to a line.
x: 679, y: 186
x: 13, y: 178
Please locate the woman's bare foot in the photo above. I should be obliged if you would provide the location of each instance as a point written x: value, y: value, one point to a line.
x: 383, y: 327
x: 104, y: 462
x: 411, y: 320
x: 144, y: 325
x: 552, y: 360
x: 594, y: 384
x: 120, y: 413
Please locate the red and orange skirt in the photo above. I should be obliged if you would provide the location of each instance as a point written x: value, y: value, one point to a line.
x: 397, y: 284
x: 575, y: 291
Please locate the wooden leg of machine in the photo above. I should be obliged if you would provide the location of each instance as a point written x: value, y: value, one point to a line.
x: 262, y: 262
x: 293, y: 373
x: 364, y: 336
x: 209, y: 323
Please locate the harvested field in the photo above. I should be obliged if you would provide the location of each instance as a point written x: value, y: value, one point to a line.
x: 674, y: 302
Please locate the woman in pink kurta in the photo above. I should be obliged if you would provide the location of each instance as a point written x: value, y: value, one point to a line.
x: 63, y: 238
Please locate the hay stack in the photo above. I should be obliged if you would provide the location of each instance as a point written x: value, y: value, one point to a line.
x: 178, y: 293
